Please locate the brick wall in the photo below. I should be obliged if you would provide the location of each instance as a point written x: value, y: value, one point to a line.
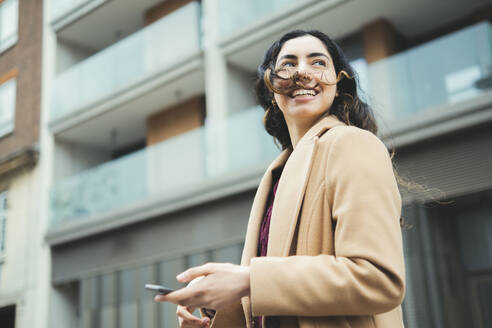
x: 25, y: 58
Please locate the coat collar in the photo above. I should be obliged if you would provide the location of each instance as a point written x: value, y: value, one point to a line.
x: 290, y: 193
x: 288, y: 200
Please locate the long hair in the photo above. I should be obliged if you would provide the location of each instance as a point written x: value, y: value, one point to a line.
x: 347, y: 106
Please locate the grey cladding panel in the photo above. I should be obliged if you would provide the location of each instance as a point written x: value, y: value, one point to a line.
x: 182, y: 232
x: 456, y: 164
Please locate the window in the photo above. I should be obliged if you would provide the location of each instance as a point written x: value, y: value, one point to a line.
x: 3, y: 218
x: 7, y: 316
x: 7, y: 106
x: 9, y: 17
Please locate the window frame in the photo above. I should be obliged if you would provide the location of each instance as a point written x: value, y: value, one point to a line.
x: 10, y: 40
x: 7, y: 127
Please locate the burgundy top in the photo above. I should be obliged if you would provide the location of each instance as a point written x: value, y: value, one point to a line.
x: 265, y: 227
x: 265, y: 224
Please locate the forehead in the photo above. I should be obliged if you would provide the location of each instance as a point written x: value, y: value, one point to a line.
x: 303, y: 45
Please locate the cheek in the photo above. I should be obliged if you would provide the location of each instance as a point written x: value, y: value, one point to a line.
x: 281, y: 101
x: 329, y: 94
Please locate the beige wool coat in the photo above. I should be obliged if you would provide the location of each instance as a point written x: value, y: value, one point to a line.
x: 335, y: 256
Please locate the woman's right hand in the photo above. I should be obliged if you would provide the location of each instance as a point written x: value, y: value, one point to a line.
x: 187, y: 320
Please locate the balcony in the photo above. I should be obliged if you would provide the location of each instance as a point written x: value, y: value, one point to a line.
x: 63, y: 7
x: 138, y: 60
x: 209, y: 160
x: 64, y: 12
x: 234, y: 15
x: 433, y: 82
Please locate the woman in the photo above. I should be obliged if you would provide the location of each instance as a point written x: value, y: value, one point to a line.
x: 332, y: 238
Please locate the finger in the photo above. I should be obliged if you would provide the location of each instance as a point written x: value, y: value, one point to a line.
x: 195, y: 272
x: 186, y: 324
x: 194, y: 325
x: 204, y: 323
x: 187, y: 317
x: 177, y: 297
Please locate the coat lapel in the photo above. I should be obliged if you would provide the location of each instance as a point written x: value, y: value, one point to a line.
x: 291, y: 189
x: 288, y: 199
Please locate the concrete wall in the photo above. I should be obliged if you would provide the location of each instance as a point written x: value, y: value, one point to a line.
x: 17, y: 274
x: 71, y: 159
x: 68, y: 54
x: 240, y: 89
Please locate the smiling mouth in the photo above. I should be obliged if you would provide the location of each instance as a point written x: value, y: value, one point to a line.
x: 303, y: 93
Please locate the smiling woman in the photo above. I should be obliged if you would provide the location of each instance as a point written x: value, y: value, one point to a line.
x: 323, y: 246
x: 318, y: 64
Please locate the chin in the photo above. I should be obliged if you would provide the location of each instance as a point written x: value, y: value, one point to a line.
x: 306, y: 113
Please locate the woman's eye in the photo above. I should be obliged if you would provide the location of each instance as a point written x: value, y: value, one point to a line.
x: 288, y: 65
x: 319, y: 63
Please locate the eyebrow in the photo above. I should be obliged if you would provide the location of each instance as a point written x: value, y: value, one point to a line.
x: 311, y: 55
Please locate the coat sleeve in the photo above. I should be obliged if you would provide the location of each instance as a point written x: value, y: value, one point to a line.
x: 366, y: 274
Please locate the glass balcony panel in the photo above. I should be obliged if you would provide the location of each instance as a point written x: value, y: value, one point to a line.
x: 204, y: 155
x: 237, y: 14
x: 129, y: 62
x: 450, y: 69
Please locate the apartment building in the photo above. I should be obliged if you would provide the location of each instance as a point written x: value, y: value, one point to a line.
x: 20, y: 93
x: 153, y: 144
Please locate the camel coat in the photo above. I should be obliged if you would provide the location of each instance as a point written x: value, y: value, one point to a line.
x: 335, y: 255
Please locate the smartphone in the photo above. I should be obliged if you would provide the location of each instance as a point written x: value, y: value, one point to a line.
x: 159, y: 289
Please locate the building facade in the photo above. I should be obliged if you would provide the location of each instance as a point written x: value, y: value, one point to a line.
x: 153, y: 144
x: 20, y: 94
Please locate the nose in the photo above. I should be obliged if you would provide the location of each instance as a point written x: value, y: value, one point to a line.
x: 302, y: 69
x: 302, y: 73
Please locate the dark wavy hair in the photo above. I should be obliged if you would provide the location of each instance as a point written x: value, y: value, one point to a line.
x: 347, y: 106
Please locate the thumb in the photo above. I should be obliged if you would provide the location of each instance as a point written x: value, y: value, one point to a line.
x: 195, y: 272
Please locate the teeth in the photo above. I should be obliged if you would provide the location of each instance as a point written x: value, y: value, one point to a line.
x: 303, y: 93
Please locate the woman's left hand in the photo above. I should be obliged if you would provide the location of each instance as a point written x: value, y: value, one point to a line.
x: 223, y: 284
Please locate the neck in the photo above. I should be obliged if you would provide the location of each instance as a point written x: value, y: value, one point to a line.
x: 298, y: 128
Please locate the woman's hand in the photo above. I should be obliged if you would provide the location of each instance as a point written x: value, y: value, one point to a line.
x: 223, y: 284
x: 187, y: 320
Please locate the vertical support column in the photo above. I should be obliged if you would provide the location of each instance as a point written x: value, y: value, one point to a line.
x: 215, y: 63
x: 40, y: 271
x: 380, y: 40
x: 216, y: 156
